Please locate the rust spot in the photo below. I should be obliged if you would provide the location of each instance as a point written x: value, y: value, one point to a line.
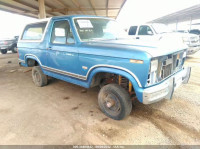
x: 74, y: 108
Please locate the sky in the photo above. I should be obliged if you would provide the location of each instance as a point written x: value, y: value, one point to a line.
x: 133, y: 12
x: 12, y: 24
x: 142, y: 11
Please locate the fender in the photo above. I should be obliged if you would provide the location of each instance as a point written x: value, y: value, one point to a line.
x: 30, y: 56
x: 117, y: 71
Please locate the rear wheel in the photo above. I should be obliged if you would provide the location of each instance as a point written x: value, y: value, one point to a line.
x: 114, y: 101
x: 14, y: 49
x: 39, y: 78
x: 3, y: 51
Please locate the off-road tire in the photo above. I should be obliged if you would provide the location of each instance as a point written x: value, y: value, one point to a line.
x: 120, y: 95
x: 39, y: 78
x: 4, y: 51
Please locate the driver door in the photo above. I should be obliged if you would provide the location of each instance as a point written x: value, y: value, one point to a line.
x: 145, y: 33
x: 62, y: 54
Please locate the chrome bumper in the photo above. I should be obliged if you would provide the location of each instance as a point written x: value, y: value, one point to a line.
x: 166, y: 89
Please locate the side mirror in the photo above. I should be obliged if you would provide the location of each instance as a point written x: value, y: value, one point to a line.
x: 149, y: 32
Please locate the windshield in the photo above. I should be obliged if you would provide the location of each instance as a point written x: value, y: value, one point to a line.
x: 98, y: 29
x: 161, y: 28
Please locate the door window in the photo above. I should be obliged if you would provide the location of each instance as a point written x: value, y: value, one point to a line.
x: 62, y: 33
x: 132, y: 30
x: 145, y: 30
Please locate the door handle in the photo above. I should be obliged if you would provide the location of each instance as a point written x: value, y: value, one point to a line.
x: 137, y: 37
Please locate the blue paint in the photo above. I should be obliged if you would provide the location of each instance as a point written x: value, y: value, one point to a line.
x: 71, y: 58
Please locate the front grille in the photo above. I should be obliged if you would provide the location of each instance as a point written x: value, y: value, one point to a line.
x: 194, y: 39
x: 170, y: 64
x: 166, y: 71
x: 167, y: 65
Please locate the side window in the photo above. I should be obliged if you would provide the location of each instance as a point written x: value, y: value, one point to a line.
x: 145, y: 30
x: 34, y: 31
x: 62, y: 33
x: 132, y: 30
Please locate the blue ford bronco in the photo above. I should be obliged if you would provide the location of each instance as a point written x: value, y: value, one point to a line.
x: 92, y: 51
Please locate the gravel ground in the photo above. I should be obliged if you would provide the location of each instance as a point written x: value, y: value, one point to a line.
x: 63, y: 113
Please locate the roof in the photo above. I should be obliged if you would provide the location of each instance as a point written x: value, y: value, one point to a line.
x: 107, y: 8
x: 180, y: 16
x: 67, y: 16
x: 78, y: 16
x: 139, y: 24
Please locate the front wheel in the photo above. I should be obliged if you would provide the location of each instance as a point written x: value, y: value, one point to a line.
x: 114, y: 101
x: 39, y: 78
x: 3, y: 51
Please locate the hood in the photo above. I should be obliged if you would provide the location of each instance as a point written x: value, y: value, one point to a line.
x: 176, y: 35
x: 153, y: 48
x: 189, y: 35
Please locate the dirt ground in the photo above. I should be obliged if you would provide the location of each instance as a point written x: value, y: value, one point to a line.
x: 63, y: 113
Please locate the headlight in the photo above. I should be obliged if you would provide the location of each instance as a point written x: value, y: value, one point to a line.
x: 154, y: 65
x: 152, y: 77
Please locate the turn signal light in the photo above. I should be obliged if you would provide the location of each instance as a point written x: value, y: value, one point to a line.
x: 136, y: 61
